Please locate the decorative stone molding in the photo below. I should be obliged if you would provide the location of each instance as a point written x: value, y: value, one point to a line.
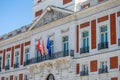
x: 51, y: 34
x: 48, y: 66
x: 64, y: 30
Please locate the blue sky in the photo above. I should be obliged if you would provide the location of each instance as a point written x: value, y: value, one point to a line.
x: 14, y: 14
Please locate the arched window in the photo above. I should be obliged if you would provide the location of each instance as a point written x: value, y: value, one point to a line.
x: 50, y: 77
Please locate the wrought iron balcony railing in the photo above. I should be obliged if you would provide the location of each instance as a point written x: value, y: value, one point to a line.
x: 84, y: 73
x: 50, y: 57
x: 16, y: 65
x: 103, y: 70
x: 84, y: 50
x: 102, y: 45
x: 118, y: 42
x: 7, y: 67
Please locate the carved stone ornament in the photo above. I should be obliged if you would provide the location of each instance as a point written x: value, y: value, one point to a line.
x: 50, y: 16
x: 62, y: 64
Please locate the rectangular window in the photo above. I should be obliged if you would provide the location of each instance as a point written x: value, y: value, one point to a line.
x: 16, y: 78
x: 85, y: 43
x: 25, y: 77
x: 16, y: 57
x: 103, y: 34
x: 8, y: 60
x: 65, y: 46
x: 27, y: 54
x: 103, y: 67
x: 103, y: 38
x: 65, y: 43
x: 6, y: 79
x: 52, y: 46
x: 84, y: 70
x: 0, y: 63
x: 85, y: 39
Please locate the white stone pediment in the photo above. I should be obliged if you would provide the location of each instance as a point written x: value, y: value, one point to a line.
x: 49, y: 15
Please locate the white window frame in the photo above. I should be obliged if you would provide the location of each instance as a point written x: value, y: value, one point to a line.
x: 6, y: 64
x: 17, y: 50
x: 105, y: 64
x: 86, y: 29
x: 15, y: 77
x: 15, y: 57
x: 64, y: 32
x: 86, y: 67
x: 85, y: 38
x: 27, y: 53
x: 107, y: 22
x: 7, y: 78
x: 66, y: 42
x: 25, y: 76
x: 103, y: 32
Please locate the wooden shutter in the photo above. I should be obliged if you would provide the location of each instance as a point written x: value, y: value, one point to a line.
x: 93, y: 34
x: 4, y: 59
x: 66, y: 1
x: 12, y: 58
x: 113, y: 28
x: 113, y: 62
x: 115, y: 78
x: 93, y: 66
x: 20, y: 76
x: 77, y: 68
x: 11, y: 77
x: 77, y: 39
x: 22, y: 55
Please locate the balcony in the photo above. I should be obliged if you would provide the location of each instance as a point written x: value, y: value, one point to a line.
x: 118, y: 42
x: 16, y: 65
x: 103, y: 70
x: 84, y: 73
x: 102, y: 45
x: 7, y: 67
x: 48, y: 57
x: 84, y: 50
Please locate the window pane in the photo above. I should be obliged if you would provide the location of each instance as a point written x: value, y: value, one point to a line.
x: 65, y: 43
x: 67, y: 46
x: 38, y: 54
x: 85, y: 34
x: 84, y: 42
x: 87, y: 42
x: 52, y: 46
x: 102, y: 38
x: 106, y: 37
x: 103, y: 29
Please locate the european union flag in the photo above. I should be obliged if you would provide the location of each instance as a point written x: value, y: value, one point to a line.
x: 48, y: 46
